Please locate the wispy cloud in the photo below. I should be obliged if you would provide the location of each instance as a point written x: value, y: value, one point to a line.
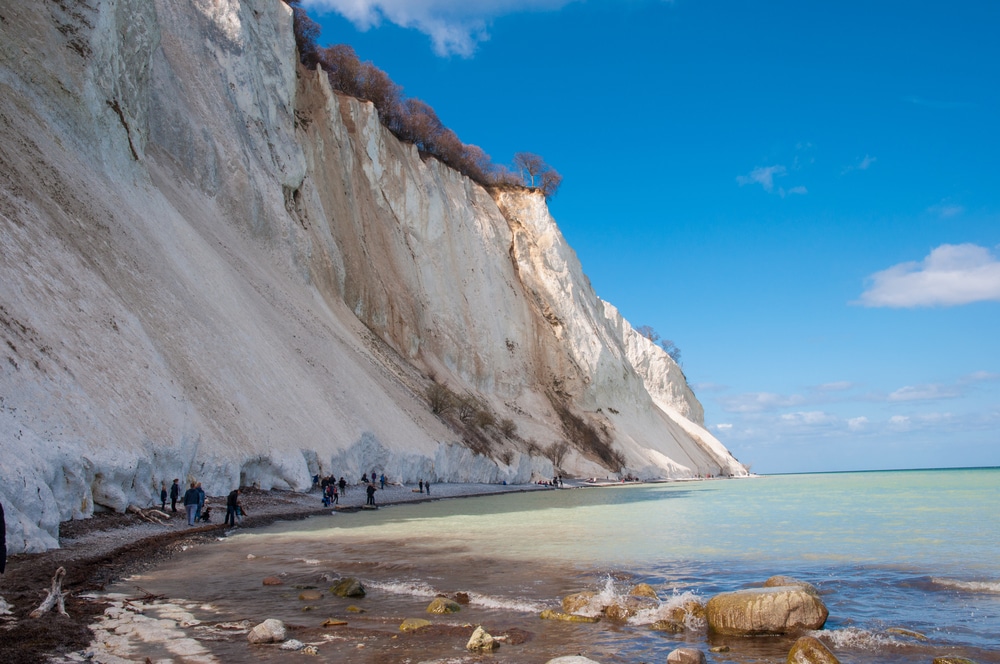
x: 946, y: 210
x: 756, y: 402
x: 863, y: 165
x: 950, y: 275
x: 456, y: 27
x: 938, y: 103
x: 765, y: 176
x: 835, y: 386
x: 927, y: 392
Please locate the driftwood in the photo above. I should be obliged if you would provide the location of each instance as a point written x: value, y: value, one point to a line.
x: 152, y: 515
x: 56, y: 596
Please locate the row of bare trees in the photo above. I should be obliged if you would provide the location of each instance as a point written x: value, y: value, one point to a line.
x: 413, y: 120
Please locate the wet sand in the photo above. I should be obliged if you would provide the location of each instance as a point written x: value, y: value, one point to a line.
x: 108, y: 547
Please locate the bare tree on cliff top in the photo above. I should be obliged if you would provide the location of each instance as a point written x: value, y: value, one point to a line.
x: 532, y: 166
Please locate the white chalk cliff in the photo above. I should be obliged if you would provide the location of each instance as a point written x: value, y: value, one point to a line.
x: 215, y: 268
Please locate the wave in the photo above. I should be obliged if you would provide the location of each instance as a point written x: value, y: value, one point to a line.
x: 992, y: 587
x: 855, y: 637
x: 421, y: 589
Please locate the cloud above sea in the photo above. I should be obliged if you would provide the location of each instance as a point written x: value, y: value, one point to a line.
x: 456, y: 27
x: 951, y: 275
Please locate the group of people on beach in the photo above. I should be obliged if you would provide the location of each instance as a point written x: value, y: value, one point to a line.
x: 194, y: 503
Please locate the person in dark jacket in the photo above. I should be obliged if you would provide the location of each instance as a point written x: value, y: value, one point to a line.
x: 191, y: 500
x: 232, y: 505
x: 175, y: 494
x: 371, y: 493
x: 3, y: 541
x: 163, y: 495
x: 201, y: 501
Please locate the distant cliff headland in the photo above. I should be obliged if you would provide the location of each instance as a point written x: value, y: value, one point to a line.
x: 216, y: 266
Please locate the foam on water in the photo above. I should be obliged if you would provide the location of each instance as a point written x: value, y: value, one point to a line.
x: 992, y: 587
x: 854, y: 637
x: 421, y: 589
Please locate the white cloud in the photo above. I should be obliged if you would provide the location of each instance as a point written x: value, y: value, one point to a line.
x: 809, y: 418
x: 724, y: 426
x: 455, y: 27
x: 765, y: 175
x: 836, y: 386
x: 857, y: 423
x: 756, y: 402
x: 862, y: 165
x: 762, y: 175
x: 946, y: 210
x: 899, y: 422
x: 951, y: 274
x: 923, y: 393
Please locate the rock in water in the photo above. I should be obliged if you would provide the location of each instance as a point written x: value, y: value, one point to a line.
x: 686, y: 656
x: 413, y: 624
x: 310, y: 595
x: 549, y: 614
x: 952, y: 660
x: 443, y: 605
x: 577, y: 601
x: 481, y: 641
x: 272, y: 581
x: 780, y: 580
x: 269, y: 631
x: 349, y: 587
x: 810, y: 650
x: 292, y: 644
x: 644, y: 590
x: 759, y: 611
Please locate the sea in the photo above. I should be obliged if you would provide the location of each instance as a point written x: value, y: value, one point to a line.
x: 907, y: 562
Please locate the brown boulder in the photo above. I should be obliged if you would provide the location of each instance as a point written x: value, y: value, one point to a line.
x: 443, y: 605
x: 686, y: 656
x: 758, y: 611
x: 644, y: 590
x: 577, y: 602
x: 310, y: 595
x: 624, y: 609
x: 349, y: 587
x: 273, y: 581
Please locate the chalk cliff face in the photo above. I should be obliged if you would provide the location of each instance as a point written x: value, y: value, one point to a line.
x: 214, y: 268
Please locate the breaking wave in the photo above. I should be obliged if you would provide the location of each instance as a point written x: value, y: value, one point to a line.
x: 421, y: 589
x: 968, y: 586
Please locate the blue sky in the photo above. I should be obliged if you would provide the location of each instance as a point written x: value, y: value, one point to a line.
x: 803, y: 196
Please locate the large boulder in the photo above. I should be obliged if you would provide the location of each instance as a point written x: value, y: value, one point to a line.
x: 269, y: 631
x: 758, y: 611
x: 623, y: 609
x: 810, y: 650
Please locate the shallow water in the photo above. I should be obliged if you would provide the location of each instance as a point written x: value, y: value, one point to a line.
x: 909, y: 549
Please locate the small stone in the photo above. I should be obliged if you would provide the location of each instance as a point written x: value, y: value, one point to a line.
x: 269, y: 631
x: 810, y: 650
x: 310, y: 650
x: 310, y: 595
x: 686, y: 656
x: 333, y: 622
x: 644, y: 590
x: 948, y: 659
x: 441, y: 605
x: 549, y: 614
x: 577, y: 602
x: 349, y: 587
x: 273, y: 581
x: 356, y: 609
x: 668, y: 626
x: 308, y: 607
x: 719, y: 649
x: 462, y: 598
x: 906, y: 632
x: 481, y: 641
x: 413, y: 624
x: 292, y: 644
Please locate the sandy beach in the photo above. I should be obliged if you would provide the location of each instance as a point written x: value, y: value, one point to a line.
x: 110, y: 546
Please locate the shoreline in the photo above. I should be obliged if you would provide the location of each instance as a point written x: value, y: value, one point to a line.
x: 108, y: 547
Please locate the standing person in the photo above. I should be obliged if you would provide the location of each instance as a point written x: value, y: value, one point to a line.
x: 427, y: 485
x: 336, y: 496
x: 232, y: 506
x: 371, y: 493
x: 3, y: 541
x: 175, y: 494
x: 343, y: 485
x: 421, y: 483
x: 381, y: 479
x: 191, y: 503
x: 201, y: 501
x: 163, y: 496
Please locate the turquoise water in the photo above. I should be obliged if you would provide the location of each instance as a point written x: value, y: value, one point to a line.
x: 910, y: 549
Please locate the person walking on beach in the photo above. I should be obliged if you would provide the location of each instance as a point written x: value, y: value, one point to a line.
x: 232, y: 506
x: 201, y: 501
x: 381, y: 479
x: 343, y: 485
x: 421, y: 484
x: 163, y: 496
x: 175, y: 494
x: 427, y: 487
x: 371, y: 494
x: 191, y: 503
